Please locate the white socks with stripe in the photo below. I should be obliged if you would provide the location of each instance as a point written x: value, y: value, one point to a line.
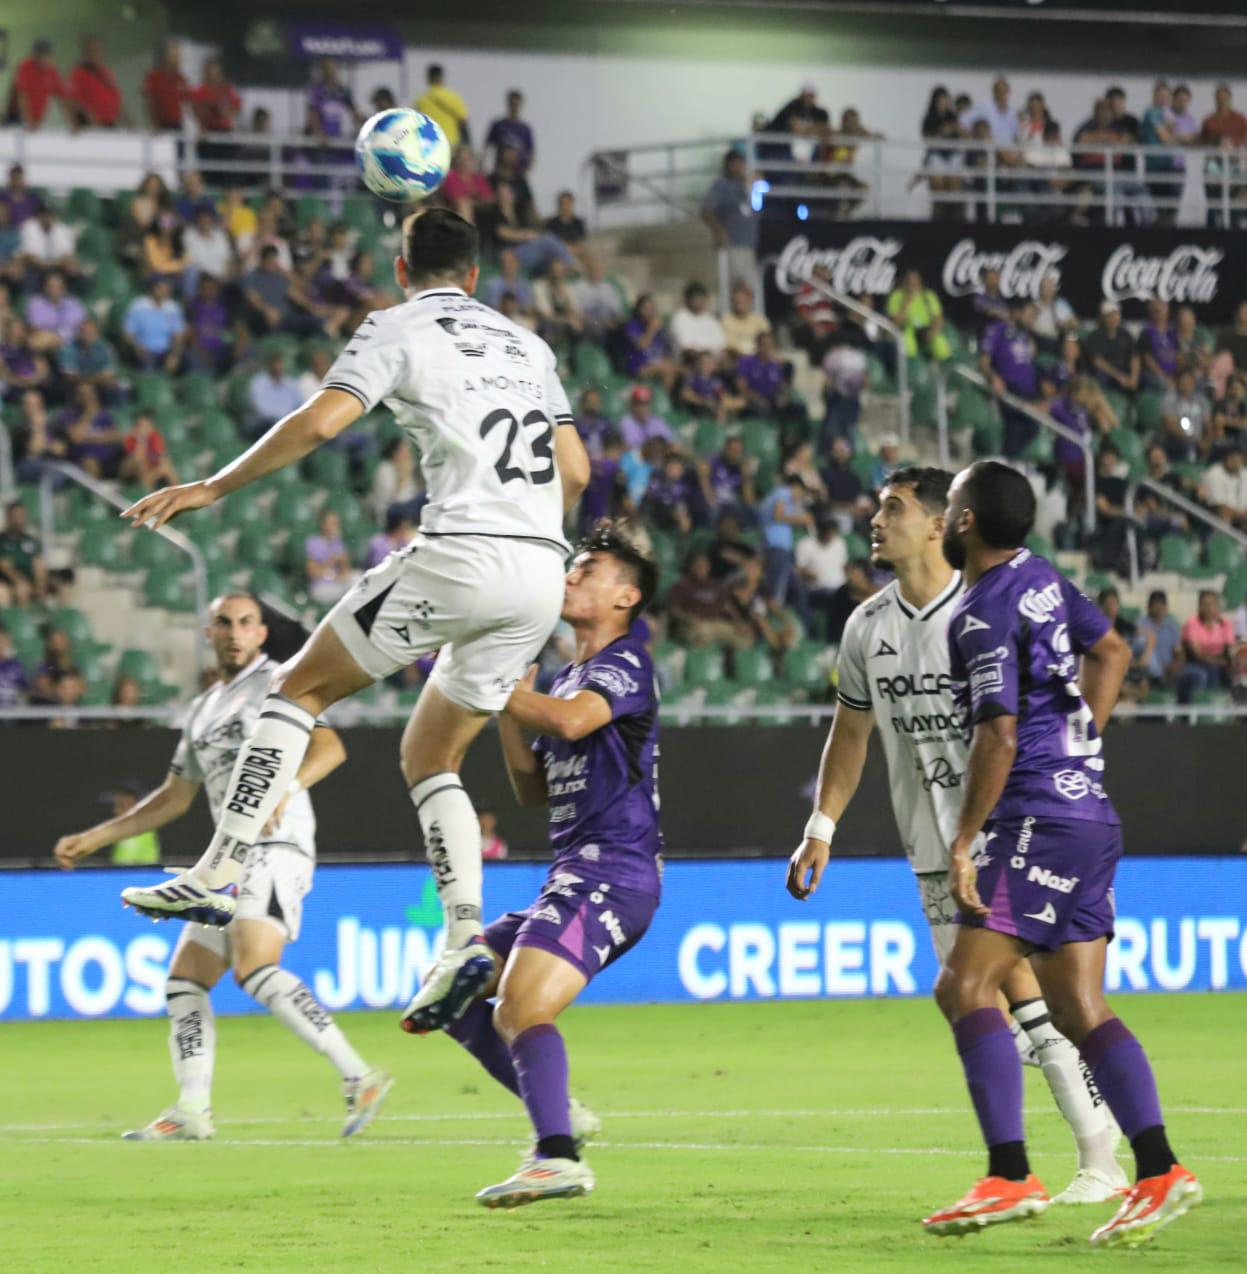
x: 266, y: 766
x: 452, y: 844
x: 1073, y: 1089
x: 192, y: 1043
x: 297, y: 1009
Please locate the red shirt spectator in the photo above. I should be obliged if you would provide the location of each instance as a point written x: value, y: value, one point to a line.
x: 93, y: 88
x: 216, y: 100
x: 35, y: 84
x: 1225, y: 124
x: 165, y: 90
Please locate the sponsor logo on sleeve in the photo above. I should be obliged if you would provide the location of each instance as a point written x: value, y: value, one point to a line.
x: 988, y: 679
x: 615, y: 681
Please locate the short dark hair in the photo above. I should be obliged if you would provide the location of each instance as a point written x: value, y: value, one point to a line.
x: 434, y: 71
x: 1115, y: 90
x: 609, y: 538
x: 1105, y: 593
x: 1158, y: 595
x: 695, y: 289
x: 439, y: 243
x: 1002, y: 501
x: 240, y: 595
x: 930, y: 485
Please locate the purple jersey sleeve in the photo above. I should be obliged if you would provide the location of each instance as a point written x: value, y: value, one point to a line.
x: 1087, y: 622
x: 983, y: 656
x: 621, y: 679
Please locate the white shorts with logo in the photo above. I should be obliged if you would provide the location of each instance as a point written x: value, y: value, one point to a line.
x: 275, y: 881
x: 940, y: 910
x: 488, y: 603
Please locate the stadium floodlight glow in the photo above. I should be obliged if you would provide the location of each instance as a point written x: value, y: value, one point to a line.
x: 803, y: 213
x: 758, y: 193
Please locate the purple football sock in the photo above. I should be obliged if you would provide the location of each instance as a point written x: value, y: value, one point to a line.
x: 993, y: 1074
x: 1123, y: 1074
x: 476, y: 1032
x: 541, y: 1066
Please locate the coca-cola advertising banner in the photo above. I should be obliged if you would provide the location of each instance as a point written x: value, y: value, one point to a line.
x: 1206, y: 269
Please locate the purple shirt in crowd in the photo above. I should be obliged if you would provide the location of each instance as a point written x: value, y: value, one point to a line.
x: 637, y: 358
x: 64, y: 317
x: 209, y: 323
x: 765, y: 377
x: 636, y: 433
x: 514, y: 133
x: 1011, y: 351
x: 592, y: 431
x: 334, y: 107
x: 1014, y: 641
x: 604, y: 788
x: 13, y: 682
x: 726, y: 481
x: 1066, y: 412
x: 1163, y: 347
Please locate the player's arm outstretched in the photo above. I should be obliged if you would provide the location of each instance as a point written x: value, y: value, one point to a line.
x: 325, y: 415
x: 839, y: 773
x: 325, y: 752
x: 167, y: 802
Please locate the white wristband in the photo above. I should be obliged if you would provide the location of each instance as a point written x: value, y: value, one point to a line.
x: 294, y: 789
x: 820, y: 827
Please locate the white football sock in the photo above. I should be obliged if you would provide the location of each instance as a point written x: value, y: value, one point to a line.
x: 1072, y: 1087
x: 1021, y: 1041
x: 452, y: 844
x: 192, y: 1042
x: 266, y: 766
x: 296, y: 1008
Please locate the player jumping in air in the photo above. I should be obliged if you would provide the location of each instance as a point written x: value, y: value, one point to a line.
x: 482, y: 581
x: 595, y: 763
x: 1040, y: 883
x: 277, y: 875
x: 893, y: 676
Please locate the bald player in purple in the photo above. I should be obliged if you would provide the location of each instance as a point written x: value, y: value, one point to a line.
x: 594, y: 762
x: 1034, y: 855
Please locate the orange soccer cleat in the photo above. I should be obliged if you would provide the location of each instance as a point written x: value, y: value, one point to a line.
x: 990, y: 1201
x: 1150, y: 1204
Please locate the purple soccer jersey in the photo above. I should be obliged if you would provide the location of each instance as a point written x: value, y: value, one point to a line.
x: 1011, y: 350
x: 1014, y: 642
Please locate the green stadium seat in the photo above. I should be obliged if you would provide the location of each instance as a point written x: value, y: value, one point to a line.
x: 703, y: 667
x: 148, y: 550
x: 99, y: 690
x: 216, y: 432
x: 294, y: 503
x: 328, y: 469
x: 309, y: 208
x: 103, y: 551
x: 198, y: 392
x: 1148, y: 413
x: 1177, y: 553
x: 94, y: 244
x: 268, y: 579
x: 802, y: 669
x: 1040, y: 545
x: 77, y: 627
x: 669, y: 660
x: 153, y: 391
x: 360, y: 214
x: 708, y: 437
x: 254, y: 548
x: 1223, y: 554
x: 357, y: 538
x: 1039, y: 450
x: 169, y: 588
x: 725, y: 694
x: 348, y: 508
x: 881, y: 380
x: 761, y: 439
x: 856, y: 546
x: 1158, y: 696
x: 139, y: 664
x: 753, y: 667
x: 84, y: 204
x: 22, y: 624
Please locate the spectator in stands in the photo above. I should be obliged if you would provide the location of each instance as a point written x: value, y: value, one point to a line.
x: 239, y: 218
x: 279, y: 303
x: 728, y: 551
x: 268, y: 234
x: 592, y: 423
x: 765, y: 381
x: 47, y: 243
x: 214, y: 337
x: 215, y: 102
x: 164, y: 255
x: 18, y: 198
x: 1156, y: 128
x: 784, y: 510
x: 1225, y: 129
x: 442, y: 104
x: 328, y: 566
x: 1081, y: 407
x: 35, y: 442
x: 989, y: 302
x: 798, y: 458
x: 559, y: 320
x: 728, y: 210
x: 1162, y: 651
x: 150, y: 205
x: 166, y: 90
x: 93, y: 441
x: 648, y: 354
x: 271, y: 394
x: 697, y: 604
x: 1111, y: 353
x: 743, y: 324
x: 802, y: 117
x: 1224, y: 488
x: 674, y: 499
x: 1158, y: 348
x: 1007, y: 358
x: 821, y: 561
x: 146, y: 460
x: 756, y: 616
x: 36, y: 83
x: 23, y: 572
x: 731, y: 479
x: 846, y: 497
x: 1186, y: 415
x: 1229, y: 417
x: 597, y: 299
x: 1054, y: 316
x: 1208, y: 644
x: 514, y: 131
x: 566, y: 224
x: 640, y: 424
x: 155, y: 328
x: 859, y: 586
x: 941, y: 165
x: 13, y: 679
x: 54, y: 315
x: 23, y: 367
x: 396, y: 482
x: 331, y: 111
x: 1233, y: 339
x: 1194, y: 343
x: 607, y: 495
x: 1100, y: 129
x: 94, y: 97
x: 69, y: 688
x: 511, y: 223
x: 886, y: 461
x: 694, y: 327
x: 398, y: 533
x: 208, y: 248
x: 509, y: 306
x: 466, y: 188
x: 1000, y: 118
x: 1108, y: 546
x: 1135, y: 686
x: 493, y: 847
x: 705, y: 393
x: 510, y: 278
x: 917, y: 311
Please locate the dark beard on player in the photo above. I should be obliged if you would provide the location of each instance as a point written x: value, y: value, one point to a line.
x: 954, y: 549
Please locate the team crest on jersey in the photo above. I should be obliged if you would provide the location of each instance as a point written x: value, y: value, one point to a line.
x: 884, y: 649
x: 972, y: 625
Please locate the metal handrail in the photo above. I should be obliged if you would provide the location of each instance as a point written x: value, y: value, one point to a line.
x: 1176, y: 498
x: 601, y: 160
x: 199, y: 569
x: 854, y: 306
x: 1083, y: 443
x: 8, y: 480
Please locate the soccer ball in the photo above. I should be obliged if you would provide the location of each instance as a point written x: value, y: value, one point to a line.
x: 402, y: 155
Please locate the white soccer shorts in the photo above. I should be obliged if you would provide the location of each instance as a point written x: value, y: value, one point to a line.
x: 940, y: 910
x: 489, y: 604
x: 276, y: 879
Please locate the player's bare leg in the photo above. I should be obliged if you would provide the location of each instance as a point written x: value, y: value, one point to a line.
x: 192, y: 1045
x: 434, y: 744
x: 1099, y: 1176
x: 321, y: 674
x: 967, y: 991
x: 536, y: 987
x: 1073, y: 978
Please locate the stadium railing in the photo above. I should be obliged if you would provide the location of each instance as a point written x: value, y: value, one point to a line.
x: 1041, y: 418
x: 8, y: 481
x: 1179, y: 501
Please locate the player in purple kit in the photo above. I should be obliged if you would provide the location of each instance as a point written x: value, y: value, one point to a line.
x: 1039, y: 882
x: 595, y: 763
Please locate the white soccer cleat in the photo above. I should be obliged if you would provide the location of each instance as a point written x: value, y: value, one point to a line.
x: 457, y: 978
x: 363, y: 1100
x: 183, y: 898
x: 175, y: 1124
x: 1090, y: 1185
x: 539, y: 1179
x: 585, y: 1124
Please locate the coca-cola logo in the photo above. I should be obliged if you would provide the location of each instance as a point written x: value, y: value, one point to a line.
x: 1022, y: 268
x: 865, y: 266
x: 1188, y: 275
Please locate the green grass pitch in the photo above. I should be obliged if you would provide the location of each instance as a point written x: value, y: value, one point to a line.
x: 798, y: 1136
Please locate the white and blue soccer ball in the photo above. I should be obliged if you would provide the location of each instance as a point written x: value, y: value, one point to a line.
x: 402, y: 155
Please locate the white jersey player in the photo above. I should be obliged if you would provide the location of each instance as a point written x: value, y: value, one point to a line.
x: 482, y: 581
x: 894, y: 676
x: 277, y: 875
